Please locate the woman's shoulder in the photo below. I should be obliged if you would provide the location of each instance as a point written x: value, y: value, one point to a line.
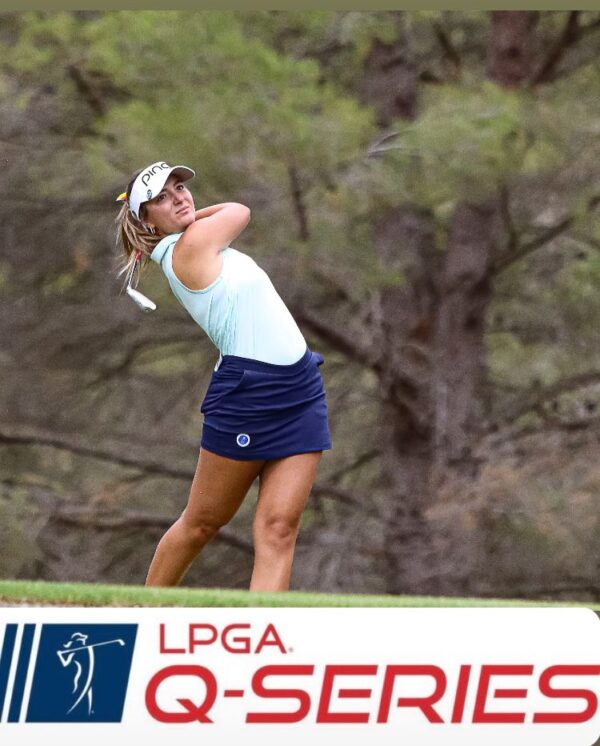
x: 161, y: 248
x: 168, y: 242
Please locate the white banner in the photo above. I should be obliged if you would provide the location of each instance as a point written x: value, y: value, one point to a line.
x: 297, y: 676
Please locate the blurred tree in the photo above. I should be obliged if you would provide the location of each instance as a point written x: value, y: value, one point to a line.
x: 460, y: 156
x: 404, y: 169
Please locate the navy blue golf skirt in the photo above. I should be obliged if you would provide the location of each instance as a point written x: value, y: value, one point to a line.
x: 257, y: 410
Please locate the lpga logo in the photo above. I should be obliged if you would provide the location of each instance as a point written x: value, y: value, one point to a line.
x: 85, y: 665
x: 80, y: 673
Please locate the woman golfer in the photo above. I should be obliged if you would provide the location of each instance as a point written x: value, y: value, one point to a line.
x: 265, y: 411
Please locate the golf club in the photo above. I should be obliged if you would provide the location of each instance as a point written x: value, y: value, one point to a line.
x: 138, y: 298
x: 63, y: 653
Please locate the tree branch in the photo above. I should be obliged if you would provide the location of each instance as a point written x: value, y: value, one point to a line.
x: 522, y: 250
x: 84, y: 517
x: 374, y: 147
x: 535, y: 398
x: 136, y: 458
x: 570, y: 34
x: 333, y: 278
x: 114, y: 369
x: 507, y: 218
x: 550, y: 424
x: 89, y: 92
x: 132, y: 455
x: 359, y: 461
x: 338, y: 339
x: 298, y: 202
x: 399, y: 384
x: 450, y: 52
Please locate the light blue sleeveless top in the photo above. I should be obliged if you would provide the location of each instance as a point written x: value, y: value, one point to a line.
x: 240, y: 311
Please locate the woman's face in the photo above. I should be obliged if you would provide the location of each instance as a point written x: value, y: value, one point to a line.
x: 172, y: 210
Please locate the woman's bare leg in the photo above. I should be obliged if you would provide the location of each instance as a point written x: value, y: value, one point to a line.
x: 218, y: 489
x: 285, y: 485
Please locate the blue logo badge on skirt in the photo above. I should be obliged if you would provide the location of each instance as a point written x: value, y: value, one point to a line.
x: 243, y: 439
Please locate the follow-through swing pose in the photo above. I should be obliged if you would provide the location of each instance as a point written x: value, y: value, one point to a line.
x: 265, y: 412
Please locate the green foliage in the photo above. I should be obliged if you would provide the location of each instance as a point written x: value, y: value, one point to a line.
x: 195, y: 88
x: 358, y: 29
x: 233, y: 97
x: 58, y: 283
x: 468, y: 140
x: 513, y: 362
x: 549, y: 307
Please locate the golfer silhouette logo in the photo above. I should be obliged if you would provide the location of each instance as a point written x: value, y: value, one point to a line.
x: 78, y: 653
x: 81, y: 673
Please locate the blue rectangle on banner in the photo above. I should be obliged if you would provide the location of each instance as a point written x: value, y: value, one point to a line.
x: 81, y: 673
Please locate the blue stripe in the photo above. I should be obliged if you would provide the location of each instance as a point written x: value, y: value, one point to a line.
x: 8, y: 648
x: 21, y: 674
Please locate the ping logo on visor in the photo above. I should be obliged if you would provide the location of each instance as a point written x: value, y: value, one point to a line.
x: 151, y: 180
x: 149, y: 172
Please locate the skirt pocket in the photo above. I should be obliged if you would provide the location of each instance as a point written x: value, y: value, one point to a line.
x: 235, y: 390
x: 259, y: 395
x: 223, y: 382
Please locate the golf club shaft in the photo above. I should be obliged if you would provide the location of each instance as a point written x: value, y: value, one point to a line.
x: 132, y: 271
x: 86, y: 647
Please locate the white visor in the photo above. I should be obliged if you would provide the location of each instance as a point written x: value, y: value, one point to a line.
x: 151, y: 180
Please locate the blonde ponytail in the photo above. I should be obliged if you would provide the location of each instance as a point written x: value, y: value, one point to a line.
x: 133, y: 236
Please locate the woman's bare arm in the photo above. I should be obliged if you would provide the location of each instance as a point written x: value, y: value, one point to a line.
x: 206, y: 212
x: 215, y: 227
x: 197, y: 259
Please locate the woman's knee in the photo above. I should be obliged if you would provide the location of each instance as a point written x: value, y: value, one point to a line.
x: 274, y: 532
x: 198, y: 530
